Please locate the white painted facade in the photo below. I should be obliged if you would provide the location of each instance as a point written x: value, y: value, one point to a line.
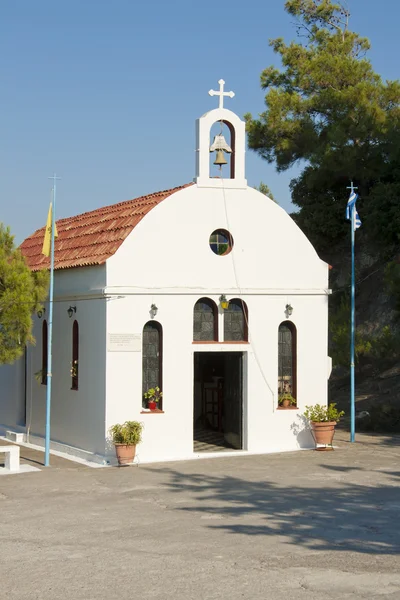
x: 167, y: 260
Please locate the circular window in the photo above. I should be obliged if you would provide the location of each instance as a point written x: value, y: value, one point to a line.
x: 221, y: 242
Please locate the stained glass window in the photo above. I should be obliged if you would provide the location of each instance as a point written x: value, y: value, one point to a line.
x: 221, y: 242
x: 44, y: 353
x: 287, y: 359
x: 236, y: 321
x: 152, y: 359
x: 205, y: 321
x: 75, y: 356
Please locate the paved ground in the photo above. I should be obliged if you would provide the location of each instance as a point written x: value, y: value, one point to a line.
x: 35, y: 458
x: 302, y: 526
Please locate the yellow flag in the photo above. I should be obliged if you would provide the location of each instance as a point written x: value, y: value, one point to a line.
x: 47, y: 233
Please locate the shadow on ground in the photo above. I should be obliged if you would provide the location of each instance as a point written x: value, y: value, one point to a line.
x: 347, y: 517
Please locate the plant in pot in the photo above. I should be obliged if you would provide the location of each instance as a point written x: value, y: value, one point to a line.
x: 125, y: 438
x: 286, y: 400
x: 41, y: 376
x: 323, y: 420
x: 153, y: 396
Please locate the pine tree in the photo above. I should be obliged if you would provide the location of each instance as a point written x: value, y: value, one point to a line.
x: 264, y: 189
x: 21, y: 293
x: 328, y: 109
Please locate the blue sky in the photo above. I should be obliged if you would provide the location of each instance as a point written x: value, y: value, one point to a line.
x: 106, y: 93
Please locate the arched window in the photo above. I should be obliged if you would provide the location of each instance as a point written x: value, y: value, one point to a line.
x: 287, y: 360
x: 205, y: 321
x: 75, y: 356
x: 236, y: 321
x: 152, y: 359
x: 44, y: 353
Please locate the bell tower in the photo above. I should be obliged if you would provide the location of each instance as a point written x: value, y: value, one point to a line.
x: 235, y: 147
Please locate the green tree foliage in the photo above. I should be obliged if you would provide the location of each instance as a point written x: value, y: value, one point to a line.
x: 392, y: 282
x: 264, y: 189
x: 21, y: 292
x: 328, y: 109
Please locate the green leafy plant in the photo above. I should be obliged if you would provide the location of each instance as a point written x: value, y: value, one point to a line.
x: 323, y: 414
x: 153, y: 394
x: 129, y: 433
x: 329, y: 112
x: 21, y: 294
x: 74, y: 369
x: 40, y: 375
x: 286, y: 396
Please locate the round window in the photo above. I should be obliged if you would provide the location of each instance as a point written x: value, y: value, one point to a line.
x: 221, y: 242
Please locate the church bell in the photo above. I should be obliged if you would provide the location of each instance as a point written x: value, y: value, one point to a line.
x: 220, y: 146
x: 220, y: 159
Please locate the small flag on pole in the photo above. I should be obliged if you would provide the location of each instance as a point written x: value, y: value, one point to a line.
x: 350, y: 203
x: 47, y: 233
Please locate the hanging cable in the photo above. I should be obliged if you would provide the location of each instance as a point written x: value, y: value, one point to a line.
x: 246, y: 317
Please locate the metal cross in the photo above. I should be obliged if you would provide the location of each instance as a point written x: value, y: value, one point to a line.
x: 54, y: 178
x: 221, y: 93
x: 351, y: 187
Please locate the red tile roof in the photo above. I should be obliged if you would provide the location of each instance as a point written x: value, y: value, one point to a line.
x: 92, y: 237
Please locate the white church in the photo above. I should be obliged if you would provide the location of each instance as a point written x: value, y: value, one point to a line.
x: 209, y: 291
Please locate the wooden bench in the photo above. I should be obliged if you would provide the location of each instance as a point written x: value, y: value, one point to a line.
x: 12, y: 457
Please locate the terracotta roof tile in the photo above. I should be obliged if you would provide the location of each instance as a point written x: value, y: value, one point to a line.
x: 92, y: 237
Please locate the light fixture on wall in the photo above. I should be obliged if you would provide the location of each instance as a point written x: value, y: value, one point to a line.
x: 288, y: 310
x: 41, y: 312
x: 71, y: 311
x: 224, y: 303
x: 153, y: 310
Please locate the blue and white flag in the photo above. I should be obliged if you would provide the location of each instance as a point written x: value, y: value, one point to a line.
x: 350, y: 203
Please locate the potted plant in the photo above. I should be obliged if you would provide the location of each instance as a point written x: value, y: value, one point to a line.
x: 153, y: 396
x: 125, y: 438
x: 323, y: 420
x: 41, y: 376
x: 286, y: 400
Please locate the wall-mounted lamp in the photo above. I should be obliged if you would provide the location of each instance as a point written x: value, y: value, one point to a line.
x: 71, y: 311
x: 41, y: 312
x: 224, y: 303
x: 153, y: 310
x: 288, y: 310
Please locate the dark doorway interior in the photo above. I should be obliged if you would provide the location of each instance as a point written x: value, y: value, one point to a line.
x: 218, y: 401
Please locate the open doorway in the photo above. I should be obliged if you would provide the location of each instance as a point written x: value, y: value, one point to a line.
x: 218, y: 401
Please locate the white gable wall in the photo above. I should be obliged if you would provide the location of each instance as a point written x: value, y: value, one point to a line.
x: 167, y: 261
x: 169, y: 248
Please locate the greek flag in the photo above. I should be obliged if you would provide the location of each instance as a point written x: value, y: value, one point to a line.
x: 350, y: 203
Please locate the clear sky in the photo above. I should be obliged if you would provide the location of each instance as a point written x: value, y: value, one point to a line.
x: 106, y: 93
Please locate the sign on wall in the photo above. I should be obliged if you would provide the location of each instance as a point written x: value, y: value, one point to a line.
x: 124, y: 342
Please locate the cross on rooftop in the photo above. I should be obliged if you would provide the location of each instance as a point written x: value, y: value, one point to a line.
x: 221, y: 93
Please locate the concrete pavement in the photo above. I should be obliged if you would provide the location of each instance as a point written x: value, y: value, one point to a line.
x: 305, y: 525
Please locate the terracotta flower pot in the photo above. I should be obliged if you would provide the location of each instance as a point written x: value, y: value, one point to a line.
x: 324, y: 432
x: 286, y: 403
x: 125, y: 453
x: 152, y: 405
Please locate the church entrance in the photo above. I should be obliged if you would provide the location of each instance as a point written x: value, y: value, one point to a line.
x: 218, y: 401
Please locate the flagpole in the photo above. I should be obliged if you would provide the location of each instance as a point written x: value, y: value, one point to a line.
x: 353, y: 212
x: 50, y: 328
x: 352, y: 334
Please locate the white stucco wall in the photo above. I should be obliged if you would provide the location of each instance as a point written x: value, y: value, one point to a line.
x: 171, y: 264
x: 12, y: 394
x: 170, y: 435
x: 169, y: 248
x: 77, y: 417
x: 167, y: 260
